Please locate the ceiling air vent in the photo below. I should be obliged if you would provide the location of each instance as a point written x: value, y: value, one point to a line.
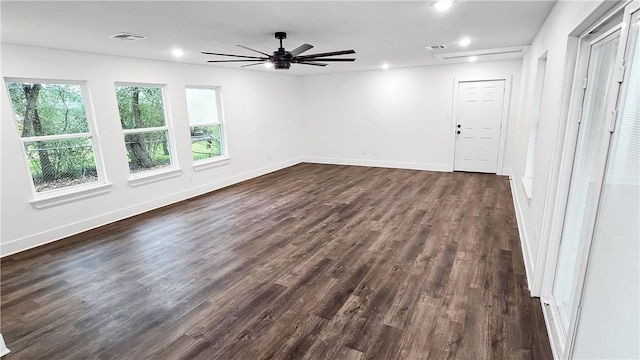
x: 435, y: 47
x: 128, y: 36
x: 486, y: 54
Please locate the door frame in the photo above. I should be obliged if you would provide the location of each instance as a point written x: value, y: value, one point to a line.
x: 563, y: 343
x: 506, y: 106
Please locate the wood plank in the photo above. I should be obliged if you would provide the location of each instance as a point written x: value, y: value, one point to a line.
x: 309, y: 262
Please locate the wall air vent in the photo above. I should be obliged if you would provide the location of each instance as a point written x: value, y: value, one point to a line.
x: 435, y: 47
x: 486, y: 54
x: 128, y: 36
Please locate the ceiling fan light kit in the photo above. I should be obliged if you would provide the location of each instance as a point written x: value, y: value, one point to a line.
x: 282, y: 59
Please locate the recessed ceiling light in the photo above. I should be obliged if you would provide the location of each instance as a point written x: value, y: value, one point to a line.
x: 177, y: 52
x: 473, y: 58
x: 268, y: 64
x: 464, y: 42
x: 385, y: 66
x: 443, y: 5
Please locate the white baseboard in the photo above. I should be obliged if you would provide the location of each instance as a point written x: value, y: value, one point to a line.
x: 46, y: 237
x: 379, y: 163
x: 524, y: 241
x: 3, y: 348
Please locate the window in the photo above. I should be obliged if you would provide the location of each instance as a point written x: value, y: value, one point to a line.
x: 206, y: 125
x: 56, y: 135
x: 143, y: 120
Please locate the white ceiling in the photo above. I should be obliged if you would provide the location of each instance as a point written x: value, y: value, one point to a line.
x: 380, y: 31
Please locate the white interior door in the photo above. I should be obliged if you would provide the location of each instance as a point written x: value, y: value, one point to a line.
x: 478, y: 123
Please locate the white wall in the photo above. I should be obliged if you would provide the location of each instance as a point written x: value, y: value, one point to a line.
x: 263, y: 133
x: 391, y: 118
x: 607, y: 317
x: 553, y: 39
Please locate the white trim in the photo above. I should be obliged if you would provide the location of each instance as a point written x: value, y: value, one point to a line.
x: 139, y: 84
x: 46, y: 237
x: 506, y: 107
x: 71, y: 194
x: 3, y: 347
x: 527, y: 186
x: 92, y: 121
x: 564, y: 168
x: 55, y: 137
x: 149, y: 177
x: 379, y: 163
x: 210, y: 163
x: 606, y: 34
x: 223, y: 125
x: 146, y: 129
x: 524, y: 242
x: 44, y: 81
x: 574, y: 73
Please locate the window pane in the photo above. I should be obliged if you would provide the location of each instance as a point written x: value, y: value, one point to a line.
x: 206, y: 142
x: 140, y: 107
x: 202, y: 106
x: 61, y: 163
x: 148, y: 150
x: 48, y: 109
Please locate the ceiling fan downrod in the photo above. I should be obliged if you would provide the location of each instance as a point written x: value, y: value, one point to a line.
x: 280, y: 60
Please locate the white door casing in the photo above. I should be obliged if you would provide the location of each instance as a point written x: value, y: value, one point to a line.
x: 478, y: 121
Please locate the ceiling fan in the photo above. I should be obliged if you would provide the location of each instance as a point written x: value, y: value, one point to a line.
x: 282, y: 59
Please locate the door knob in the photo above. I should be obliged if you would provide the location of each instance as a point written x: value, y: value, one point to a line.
x: 459, y: 126
x: 458, y: 132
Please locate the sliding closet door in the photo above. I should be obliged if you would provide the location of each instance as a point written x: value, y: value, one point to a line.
x: 584, y: 187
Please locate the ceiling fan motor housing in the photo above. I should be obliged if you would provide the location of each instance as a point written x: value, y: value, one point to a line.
x: 281, y: 59
x: 281, y: 64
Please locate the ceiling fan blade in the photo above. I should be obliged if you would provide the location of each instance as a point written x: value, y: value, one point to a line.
x: 240, y: 56
x: 226, y: 61
x: 254, y: 50
x: 258, y: 63
x: 323, y: 59
x: 343, y: 52
x: 300, y: 49
x: 312, y: 63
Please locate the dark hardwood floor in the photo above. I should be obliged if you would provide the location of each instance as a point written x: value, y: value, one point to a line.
x: 310, y: 262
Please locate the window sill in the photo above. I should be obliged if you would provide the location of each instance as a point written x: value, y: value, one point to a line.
x: 208, y: 164
x: 527, y: 184
x: 154, y: 176
x: 58, y: 198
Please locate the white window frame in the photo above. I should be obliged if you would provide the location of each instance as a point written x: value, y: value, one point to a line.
x: 224, y: 158
x: 41, y: 200
x: 173, y: 170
